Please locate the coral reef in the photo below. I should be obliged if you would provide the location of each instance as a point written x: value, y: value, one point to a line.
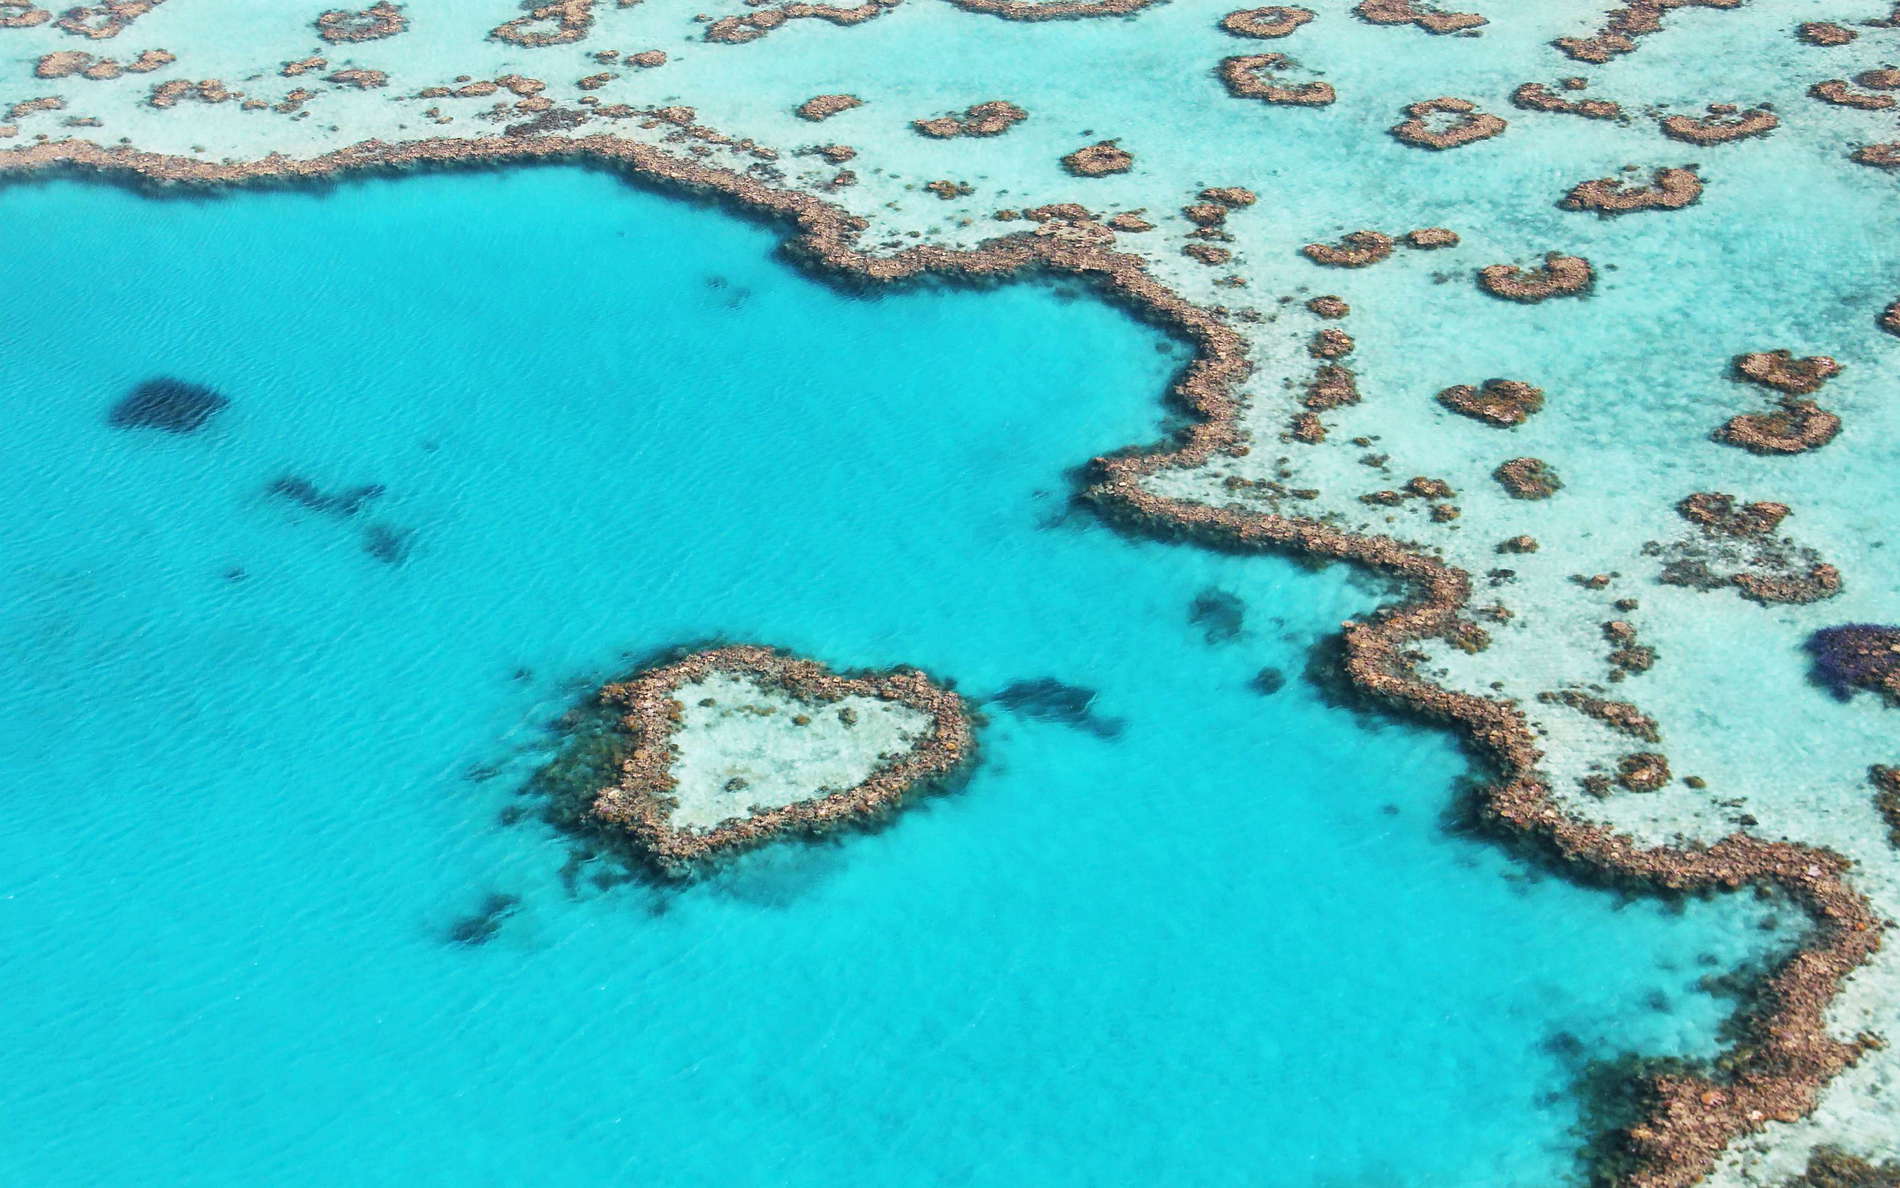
x: 1431, y: 238
x: 1669, y: 189
x: 1783, y: 1050
x: 342, y: 25
x: 1824, y: 33
x: 1725, y: 122
x: 1783, y: 372
x: 1796, y: 427
x: 992, y: 117
x: 1883, y: 156
x: 1837, y: 92
x: 1248, y: 76
x: 820, y: 107
x: 1421, y: 130
x: 63, y: 63
x: 1275, y: 20
x: 1886, y: 781
x: 101, y: 21
x: 1621, y: 716
x: 1099, y: 159
x: 1410, y: 12
x: 1857, y: 656
x: 1538, y: 97
x: 1053, y: 10
x: 1328, y: 306
x: 638, y: 802
x: 1528, y: 478
x: 1558, y: 276
x: 1499, y: 402
x: 737, y: 30
x: 1622, y: 26
x: 1355, y: 250
x: 15, y: 14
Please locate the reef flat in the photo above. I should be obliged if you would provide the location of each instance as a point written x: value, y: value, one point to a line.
x: 1634, y: 719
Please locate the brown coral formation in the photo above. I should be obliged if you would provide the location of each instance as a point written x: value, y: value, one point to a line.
x: 1250, y: 76
x: 1724, y: 123
x: 1718, y: 512
x: 1795, y: 428
x: 1883, y: 156
x: 1618, y: 715
x: 1669, y: 189
x: 1622, y: 26
x: 1824, y: 33
x: 560, y: 23
x: 820, y: 107
x: 1528, y: 478
x: 1098, y: 160
x: 1329, y: 306
x: 27, y: 107
x: 1837, y: 92
x: 15, y: 14
x: 1276, y: 20
x: 1890, y: 318
x: 1538, y: 97
x: 1431, y: 238
x: 210, y: 90
x: 1783, y: 372
x: 1422, y: 129
x: 737, y: 30
x: 65, y: 63
x: 637, y: 802
x: 1410, y: 12
x: 1645, y: 771
x: 1784, y: 1051
x: 101, y: 21
x: 1331, y: 343
x: 1558, y: 276
x: 1499, y: 402
x: 1053, y: 10
x: 379, y: 20
x: 1886, y: 782
x: 992, y: 117
x: 359, y: 78
x: 1356, y: 250
x: 1331, y: 387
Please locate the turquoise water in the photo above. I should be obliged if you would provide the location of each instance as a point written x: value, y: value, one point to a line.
x: 1235, y: 943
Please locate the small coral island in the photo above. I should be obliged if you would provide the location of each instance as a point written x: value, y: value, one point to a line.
x: 720, y: 750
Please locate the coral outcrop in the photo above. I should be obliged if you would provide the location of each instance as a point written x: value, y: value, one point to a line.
x: 1426, y: 127
x: 1558, y: 276
x: 1724, y: 123
x: 1858, y: 656
x: 1355, y: 250
x: 379, y: 20
x: 992, y: 117
x: 1499, y: 402
x: 1099, y: 159
x: 1528, y: 478
x: 1254, y: 76
x: 1276, y: 20
x: 1669, y: 189
x: 1411, y: 12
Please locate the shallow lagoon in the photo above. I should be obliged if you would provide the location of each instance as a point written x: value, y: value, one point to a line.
x: 1232, y: 943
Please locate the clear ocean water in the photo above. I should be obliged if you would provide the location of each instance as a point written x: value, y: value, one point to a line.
x: 1233, y: 943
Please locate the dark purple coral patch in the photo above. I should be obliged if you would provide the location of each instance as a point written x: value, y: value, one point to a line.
x: 1857, y: 656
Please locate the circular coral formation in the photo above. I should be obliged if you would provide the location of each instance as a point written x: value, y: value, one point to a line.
x: 1783, y: 372
x: 1723, y: 124
x: 1528, y: 478
x: 560, y: 23
x: 1499, y: 402
x: 1356, y: 250
x: 342, y: 25
x: 1329, y: 306
x: 821, y: 107
x: 1824, y: 33
x: 737, y: 30
x: 1558, y: 276
x: 1421, y: 130
x: 1669, y: 189
x: 1275, y: 20
x: 1538, y: 97
x: 992, y: 117
x: 1431, y: 238
x: 637, y: 802
x: 1098, y: 160
x: 1409, y: 12
x: 1795, y: 428
x: 1248, y: 76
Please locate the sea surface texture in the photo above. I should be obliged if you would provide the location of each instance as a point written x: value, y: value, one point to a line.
x: 382, y: 384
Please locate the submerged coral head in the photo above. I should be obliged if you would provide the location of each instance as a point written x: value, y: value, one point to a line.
x: 1857, y: 656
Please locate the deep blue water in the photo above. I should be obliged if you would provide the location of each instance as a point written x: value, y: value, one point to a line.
x: 1233, y: 944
